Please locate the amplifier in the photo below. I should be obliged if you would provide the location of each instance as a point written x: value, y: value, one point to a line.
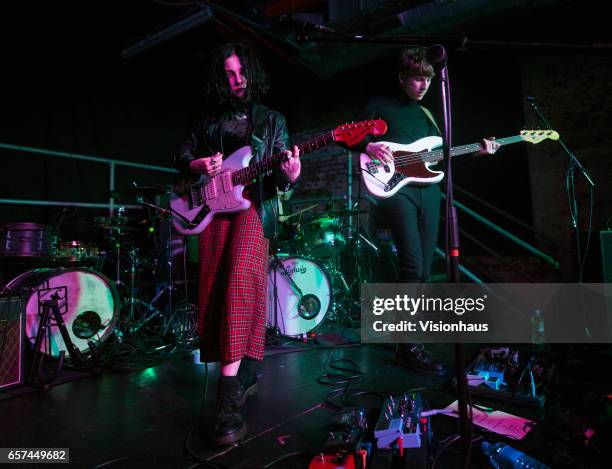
x: 12, y: 333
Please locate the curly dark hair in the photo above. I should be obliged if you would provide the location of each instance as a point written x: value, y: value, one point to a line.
x: 217, y: 91
x: 413, y: 62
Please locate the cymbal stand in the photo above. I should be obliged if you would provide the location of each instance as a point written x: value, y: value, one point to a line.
x: 340, y: 288
x: 359, y: 240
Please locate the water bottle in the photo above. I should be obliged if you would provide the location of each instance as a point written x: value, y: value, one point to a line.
x: 503, y: 456
x: 537, y: 327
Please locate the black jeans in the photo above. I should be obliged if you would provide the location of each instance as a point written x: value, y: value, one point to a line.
x: 413, y: 216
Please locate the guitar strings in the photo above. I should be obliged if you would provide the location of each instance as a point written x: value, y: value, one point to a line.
x: 416, y: 158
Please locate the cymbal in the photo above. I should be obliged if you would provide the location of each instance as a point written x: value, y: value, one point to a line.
x: 329, y: 216
x: 349, y: 213
x: 117, y: 223
x: 146, y: 190
x: 143, y: 191
x: 282, y: 218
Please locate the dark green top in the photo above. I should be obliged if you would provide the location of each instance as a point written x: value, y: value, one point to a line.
x: 405, y: 119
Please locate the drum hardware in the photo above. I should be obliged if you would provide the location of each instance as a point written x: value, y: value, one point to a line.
x: 136, y: 313
x: 76, y: 252
x: 118, y: 223
x: 81, y: 290
x: 146, y: 191
x: 276, y: 265
x: 65, y: 309
x: 50, y: 310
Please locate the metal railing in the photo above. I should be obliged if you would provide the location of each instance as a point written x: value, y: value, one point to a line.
x: 112, y: 165
x: 514, y: 239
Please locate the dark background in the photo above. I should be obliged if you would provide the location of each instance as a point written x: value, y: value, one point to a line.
x: 66, y: 87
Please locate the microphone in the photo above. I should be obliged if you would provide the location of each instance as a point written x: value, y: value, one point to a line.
x: 436, y: 55
x: 287, y: 24
x: 532, y: 102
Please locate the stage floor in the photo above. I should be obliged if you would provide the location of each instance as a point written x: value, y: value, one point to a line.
x: 158, y: 417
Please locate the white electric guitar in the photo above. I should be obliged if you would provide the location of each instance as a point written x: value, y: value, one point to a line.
x: 412, y: 162
x: 193, y: 211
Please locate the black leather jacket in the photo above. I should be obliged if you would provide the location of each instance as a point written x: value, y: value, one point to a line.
x: 269, y: 136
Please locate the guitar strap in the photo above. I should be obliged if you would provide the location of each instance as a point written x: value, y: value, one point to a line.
x: 259, y: 114
x: 430, y: 117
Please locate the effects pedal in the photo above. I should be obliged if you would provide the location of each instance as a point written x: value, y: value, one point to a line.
x: 506, y: 374
x: 400, y: 424
x: 343, y: 446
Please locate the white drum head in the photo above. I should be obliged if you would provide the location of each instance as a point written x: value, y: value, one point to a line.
x: 299, y: 310
x: 78, y: 291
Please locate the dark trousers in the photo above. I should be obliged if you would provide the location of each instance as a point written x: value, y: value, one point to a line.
x: 413, y: 216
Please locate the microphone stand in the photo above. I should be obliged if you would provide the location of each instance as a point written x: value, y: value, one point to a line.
x: 452, y: 230
x: 570, y: 174
x: 453, y: 247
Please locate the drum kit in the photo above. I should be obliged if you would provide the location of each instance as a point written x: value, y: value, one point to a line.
x: 100, y: 288
x: 307, y: 285
x: 114, y: 287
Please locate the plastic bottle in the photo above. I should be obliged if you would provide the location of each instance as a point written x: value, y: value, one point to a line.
x: 503, y: 456
x: 537, y: 327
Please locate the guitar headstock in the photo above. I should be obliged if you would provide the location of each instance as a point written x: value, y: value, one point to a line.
x: 355, y: 132
x: 536, y: 136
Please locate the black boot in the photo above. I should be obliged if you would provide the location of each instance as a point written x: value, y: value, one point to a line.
x: 248, y: 380
x: 414, y: 356
x: 229, y: 424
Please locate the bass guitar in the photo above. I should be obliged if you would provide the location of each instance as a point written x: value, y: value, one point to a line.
x: 412, y: 162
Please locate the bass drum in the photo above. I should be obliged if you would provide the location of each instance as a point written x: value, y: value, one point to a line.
x: 304, y: 295
x: 78, y: 291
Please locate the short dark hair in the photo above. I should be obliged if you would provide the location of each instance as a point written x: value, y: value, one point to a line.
x: 217, y: 91
x: 413, y: 62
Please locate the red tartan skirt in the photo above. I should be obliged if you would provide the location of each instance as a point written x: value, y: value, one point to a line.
x: 232, y: 297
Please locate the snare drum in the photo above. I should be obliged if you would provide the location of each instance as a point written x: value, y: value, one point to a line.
x: 79, y: 291
x: 30, y: 240
x: 304, y: 295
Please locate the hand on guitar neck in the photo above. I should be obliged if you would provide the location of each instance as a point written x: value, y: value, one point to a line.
x: 489, y: 147
x: 380, y: 151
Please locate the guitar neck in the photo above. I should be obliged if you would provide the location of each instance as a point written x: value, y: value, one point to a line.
x: 245, y: 175
x: 438, y: 155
